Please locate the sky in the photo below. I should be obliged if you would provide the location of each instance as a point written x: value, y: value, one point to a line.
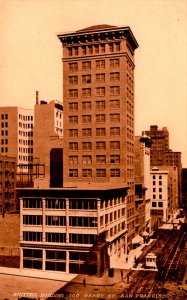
x: 31, y: 55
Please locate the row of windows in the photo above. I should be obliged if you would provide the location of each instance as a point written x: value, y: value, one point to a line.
x: 4, y: 132
x: 87, y: 105
x: 154, y: 182
x: 114, y: 76
x: 60, y: 203
x: 25, y: 150
x: 4, y: 149
x: 100, y: 159
x: 114, y: 145
x: 22, y: 125
x: 100, y: 118
x: 25, y: 118
x: 99, y: 91
x: 4, y: 116
x: 87, y: 173
x: 159, y: 196
x: 94, y: 49
x: 4, y: 141
x: 26, y: 142
x: 25, y: 133
x: 59, y: 237
x: 114, y: 131
x: 60, y: 221
x: 4, y: 124
x: 25, y: 158
x: 157, y: 204
x: 99, y: 64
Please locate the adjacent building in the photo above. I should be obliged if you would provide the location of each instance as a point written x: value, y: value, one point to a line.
x: 7, y: 184
x: 159, y: 196
x: 161, y: 155
x: 143, y: 181
x: 16, y: 135
x: 48, y: 141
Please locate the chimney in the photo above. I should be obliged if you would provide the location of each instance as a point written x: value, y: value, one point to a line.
x: 37, y: 96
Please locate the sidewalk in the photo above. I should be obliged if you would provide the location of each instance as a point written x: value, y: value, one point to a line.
x: 126, y: 265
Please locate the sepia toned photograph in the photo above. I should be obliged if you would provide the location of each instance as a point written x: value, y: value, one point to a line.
x: 93, y: 149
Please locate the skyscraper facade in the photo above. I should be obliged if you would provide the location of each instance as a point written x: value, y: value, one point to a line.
x: 98, y: 100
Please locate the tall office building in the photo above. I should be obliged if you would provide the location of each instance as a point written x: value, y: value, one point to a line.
x: 98, y: 100
x: 98, y: 85
x: 16, y: 135
x: 160, y: 144
x: 162, y: 155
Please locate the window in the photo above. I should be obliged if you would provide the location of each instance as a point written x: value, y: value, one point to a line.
x: 100, y: 145
x: 115, y: 172
x: 154, y: 196
x: 114, y: 76
x: 100, y: 131
x: 114, y: 104
x: 100, y: 172
x: 102, y: 48
x: 73, y: 146
x: 90, y: 49
x: 86, y: 132
x: 32, y: 203
x: 32, y: 220
x: 154, y: 190
x: 86, y: 119
x: 114, y: 62
x: 55, y: 221
x: 52, y: 203
x: 100, y: 91
x: 111, y: 47
x: 100, y: 159
x: 73, y: 160
x: 114, y: 159
x: 73, y: 119
x: 115, y: 131
x: 73, y: 106
x: 86, y: 92
x: 154, y: 182
x: 160, y: 182
x: 160, y: 196
x: 73, y: 93
x: 73, y: 132
x: 153, y: 204
x: 73, y: 66
x: 70, y: 51
x: 114, y: 117
x: 100, y: 118
x: 100, y: 104
x: 160, y: 204
x: 96, y: 49
x: 82, y: 238
x: 100, y: 64
x: 32, y: 236
x: 115, y: 145
x: 73, y: 173
x: 86, y: 79
x: 114, y: 90
x: 160, y: 190
x: 117, y: 46
x: 100, y: 77
x: 86, y: 173
x: 76, y: 51
x: 73, y: 79
x: 86, y: 146
x: 86, y: 105
x: 86, y: 65
x: 84, y: 50
x: 55, y: 237
x: 86, y: 160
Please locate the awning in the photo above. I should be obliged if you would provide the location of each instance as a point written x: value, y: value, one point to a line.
x: 137, y: 239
